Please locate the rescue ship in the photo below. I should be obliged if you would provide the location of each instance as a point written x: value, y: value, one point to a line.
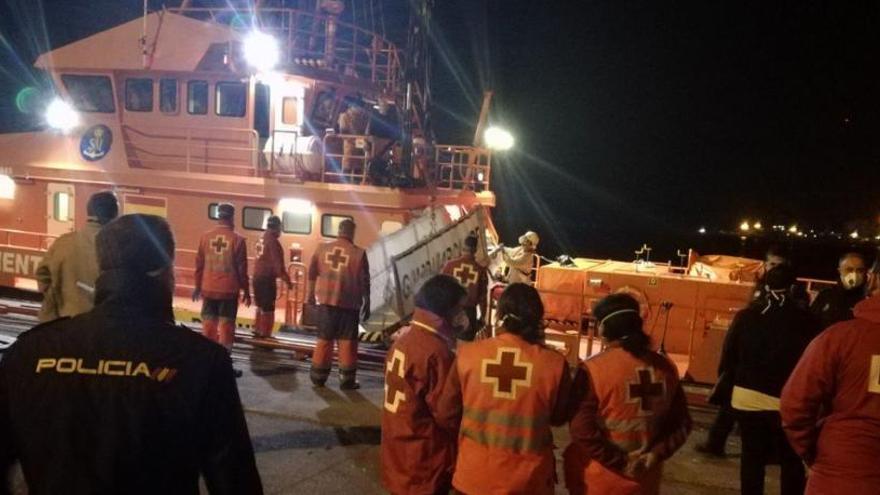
x: 301, y: 114
x: 278, y: 110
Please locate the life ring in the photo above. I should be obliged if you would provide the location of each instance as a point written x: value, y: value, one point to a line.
x: 638, y: 295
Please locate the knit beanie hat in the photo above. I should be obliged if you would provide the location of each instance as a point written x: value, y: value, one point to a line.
x: 138, y: 243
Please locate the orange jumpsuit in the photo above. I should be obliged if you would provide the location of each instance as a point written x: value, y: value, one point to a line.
x: 507, y: 394
x: 417, y: 454
x: 340, y: 275
x: 631, y: 406
x: 268, y: 267
x: 221, y: 273
x: 475, y: 279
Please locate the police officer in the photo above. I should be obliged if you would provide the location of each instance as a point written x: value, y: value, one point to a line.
x: 120, y: 399
x: 67, y: 274
x: 474, y: 277
x: 339, y: 282
x: 221, y: 274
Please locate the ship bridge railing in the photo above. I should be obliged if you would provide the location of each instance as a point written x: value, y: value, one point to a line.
x: 23, y: 239
x: 462, y: 167
x: 316, y: 40
x: 232, y: 151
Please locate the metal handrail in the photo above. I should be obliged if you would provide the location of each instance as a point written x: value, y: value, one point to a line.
x: 459, y: 167
x: 316, y: 36
x: 175, y: 134
x: 369, y: 146
x: 294, y: 151
x: 42, y: 239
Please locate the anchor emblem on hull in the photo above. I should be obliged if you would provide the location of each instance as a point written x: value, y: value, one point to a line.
x: 95, y: 143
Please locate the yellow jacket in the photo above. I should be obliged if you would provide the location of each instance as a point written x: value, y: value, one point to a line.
x: 67, y: 274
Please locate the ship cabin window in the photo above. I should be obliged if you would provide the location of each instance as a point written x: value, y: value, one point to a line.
x: 296, y: 223
x: 168, y: 95
x: 90, y: 93
x: 197, y: 97
x: 290, y: 110
x: 253, y: 218
x: 213, y: 211
x: 330, y: 224
x: 139, y: 95
x: 61, y: 207
x: 230, y: 99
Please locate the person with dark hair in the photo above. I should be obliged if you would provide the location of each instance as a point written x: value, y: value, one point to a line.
x: 221, y: 275
x: 503, y: 395
x: 339, y: 282
x: 837, y: 303
x: 762, y: 347
x: 66, y: 275
x: 268, y: 267
x: 633, y: 415
x: 725, y: 420
x: 830, y: 406
x: 417, y: 454
x: 120, y: 399
x: 474, y: 277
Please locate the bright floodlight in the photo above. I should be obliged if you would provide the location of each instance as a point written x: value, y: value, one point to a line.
x: 498, y: 139
x: 296, y: 206
x: 60, y: 115
x: 261, y: 51
x: 744, y: 226
x: 7, y: 187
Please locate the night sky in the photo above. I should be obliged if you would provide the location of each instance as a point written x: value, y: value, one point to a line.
x: 634, y: 120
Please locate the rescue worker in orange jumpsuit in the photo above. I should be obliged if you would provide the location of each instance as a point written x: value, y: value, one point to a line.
x: 505, y: 393
x: 418, y: 455
x: 269, y: 267
x: 830, y: 405
x: 633, y: 414
x: 221, y: 275
x: 339, y: 282
x: 475, y: 279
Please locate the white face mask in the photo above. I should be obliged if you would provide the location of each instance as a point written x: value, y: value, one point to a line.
x: 460, y: 321
x: 853, y: 279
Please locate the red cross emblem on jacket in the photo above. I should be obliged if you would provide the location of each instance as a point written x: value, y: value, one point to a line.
x: 336, y: 259
x: 506, y: 373
x: 644, y: 389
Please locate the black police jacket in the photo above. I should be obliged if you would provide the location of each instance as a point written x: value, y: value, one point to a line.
x: 122, y: 400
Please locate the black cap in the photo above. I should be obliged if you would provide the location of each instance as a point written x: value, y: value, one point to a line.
x: 225, y: 211
x: 273, y: 222
x: 138, y: 243
x: 471, y: 242
x: 103, y: 206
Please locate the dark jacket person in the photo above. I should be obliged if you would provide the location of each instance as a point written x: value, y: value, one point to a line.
x: 762, y: 347
x: 120, y: 399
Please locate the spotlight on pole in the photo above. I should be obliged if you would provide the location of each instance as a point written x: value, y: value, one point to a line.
x: 61, y: 116
x: 498, y: 139
x: 261, y: 51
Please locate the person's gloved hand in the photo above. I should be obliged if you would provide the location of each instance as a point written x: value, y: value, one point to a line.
x: 246, y: 299
x: 197, y: 294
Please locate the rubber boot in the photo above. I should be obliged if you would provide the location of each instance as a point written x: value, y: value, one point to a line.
x: 226, y: 334
x: 321, y: 362
x: 348, y: 365
x: 209, y: 329
x: 268, y: 324
x: 259, y: 325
